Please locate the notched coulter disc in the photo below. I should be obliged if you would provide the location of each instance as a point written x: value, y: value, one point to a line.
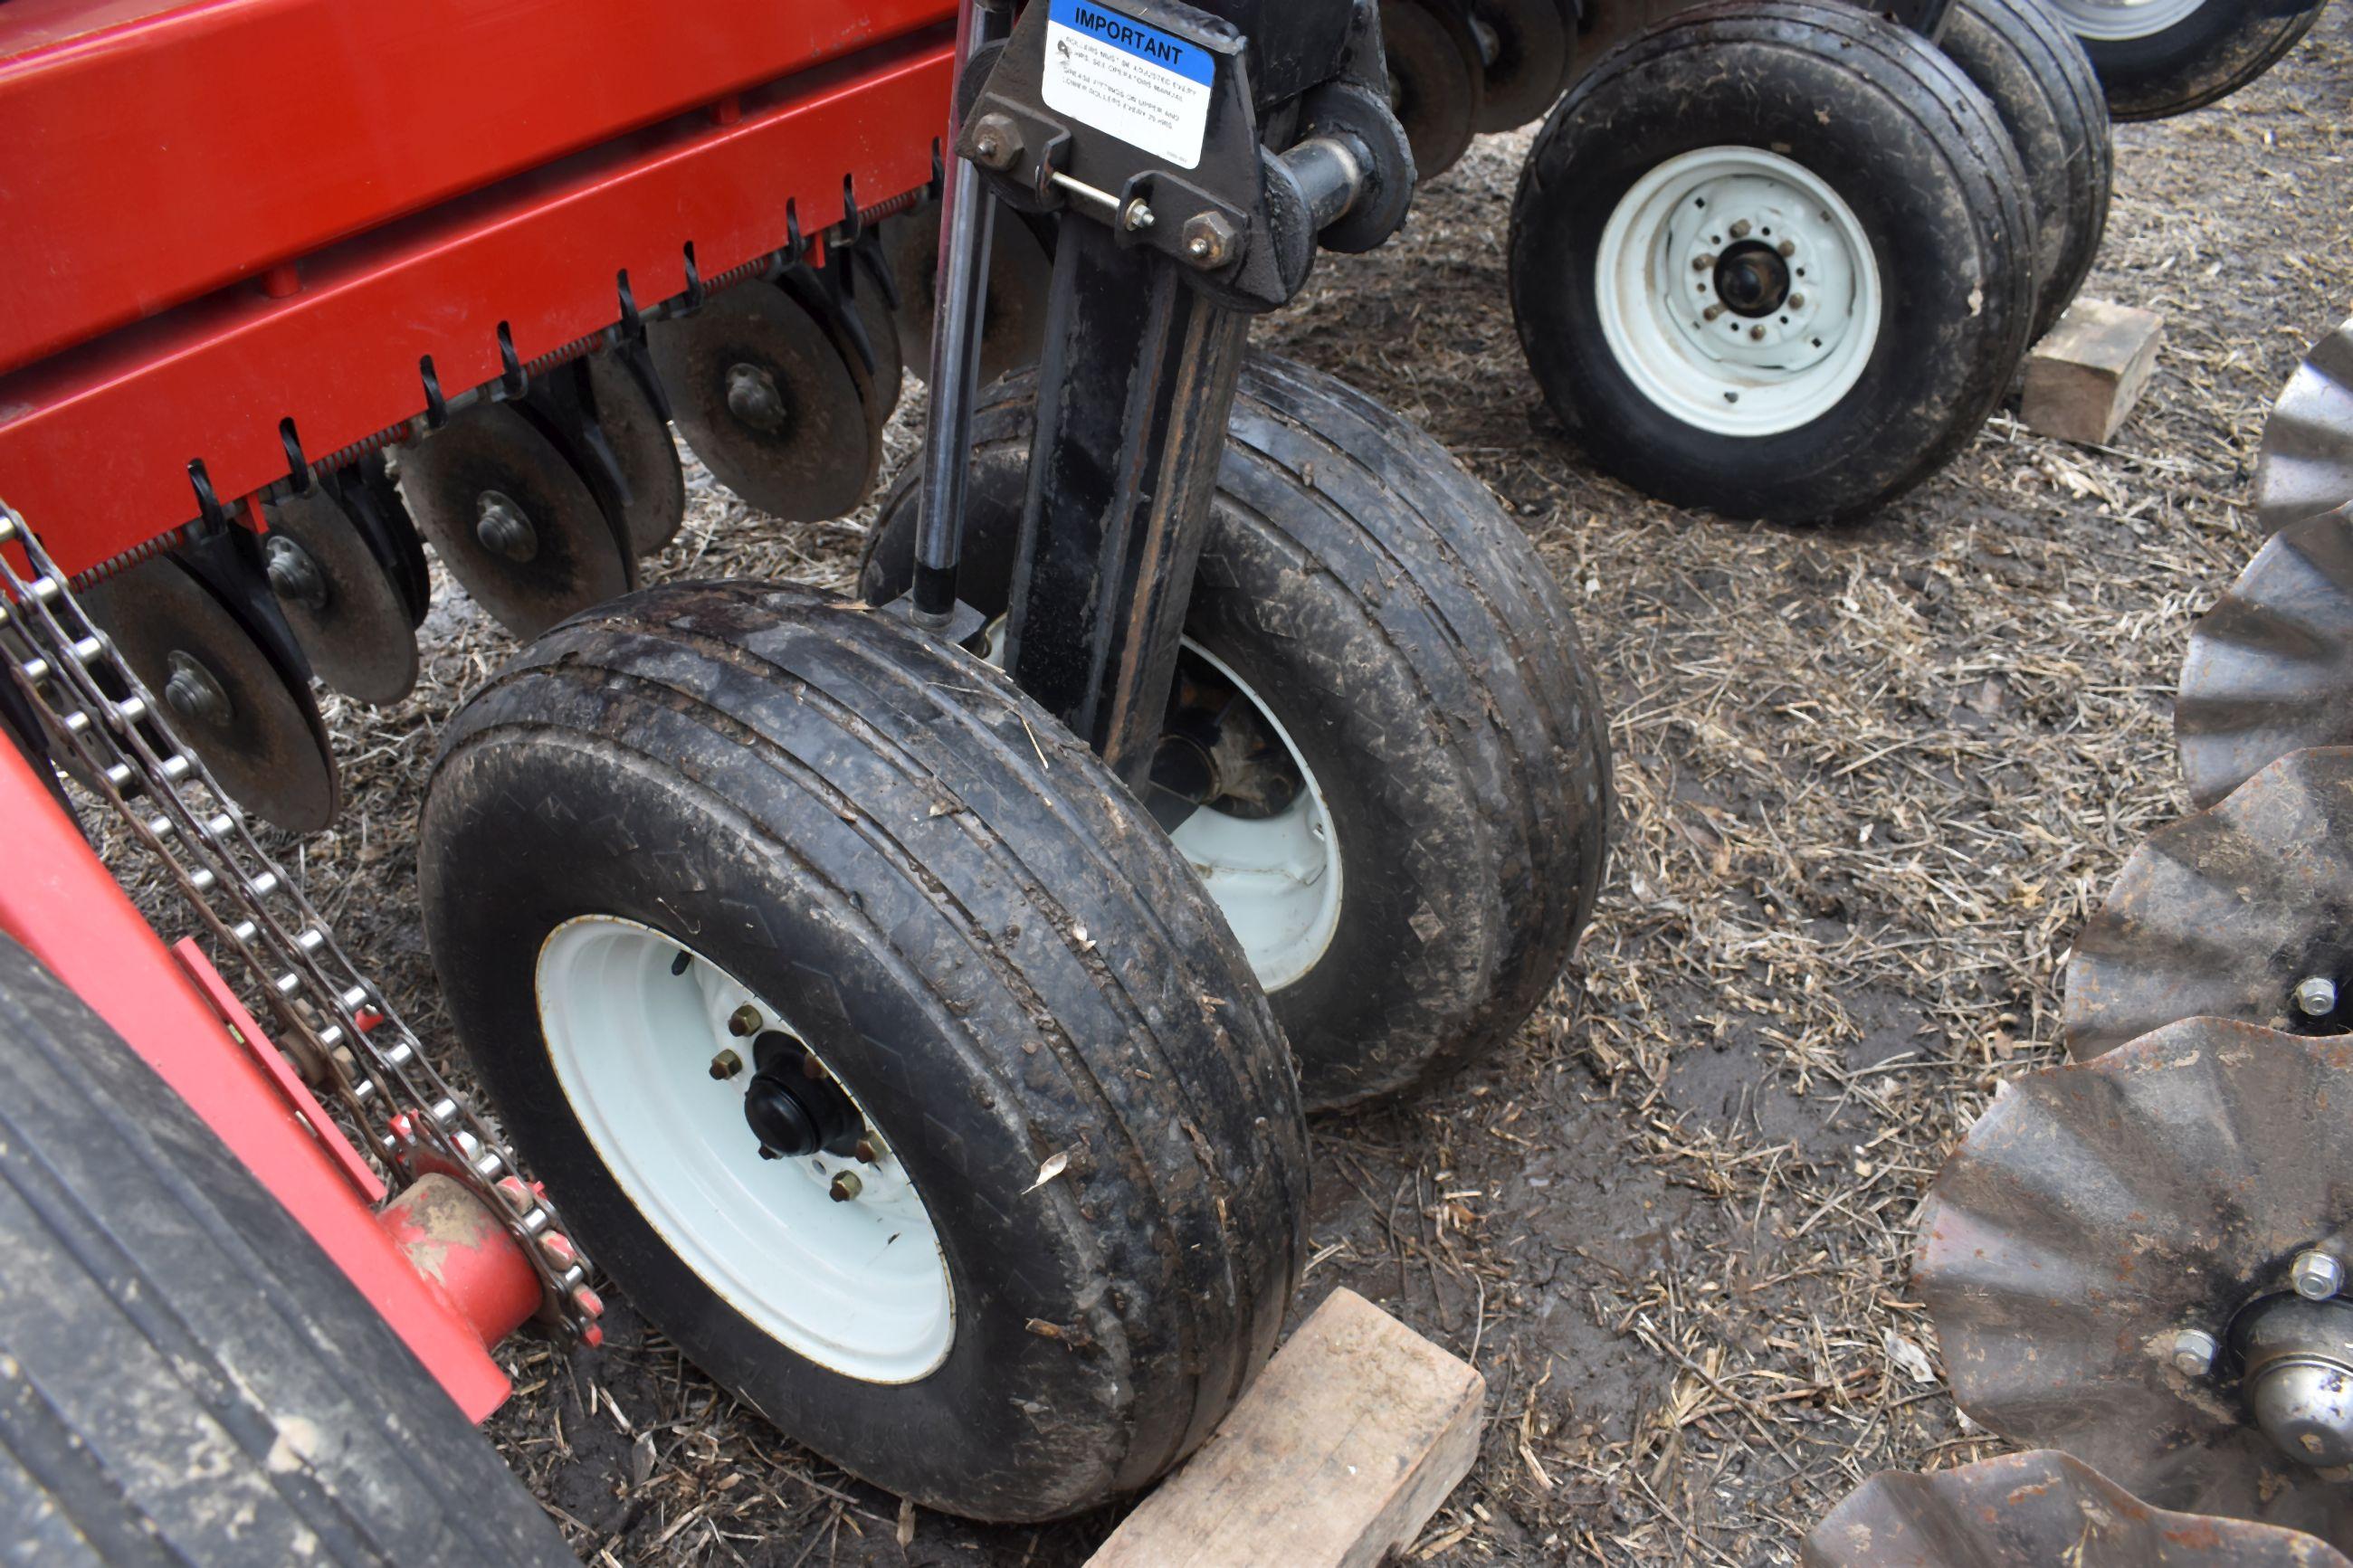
x: 2307, y: 464
x: 2034, y: 1509
x: 2227, y: 913
x: 2270, y: 668
x: 2098, y: 1211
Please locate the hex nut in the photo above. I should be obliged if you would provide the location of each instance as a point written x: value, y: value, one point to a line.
x: 2316, y: 1275
x: 1209, y: 241
x: 996, y: 141
x: 2193, y: 1352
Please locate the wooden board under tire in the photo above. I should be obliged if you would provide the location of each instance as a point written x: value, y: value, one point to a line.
x: 1338, y: 1454
x: 2083, y: 377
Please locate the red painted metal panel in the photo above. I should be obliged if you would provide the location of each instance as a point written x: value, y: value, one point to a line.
x: 95, y: 443
x: 59, y: 901
x: 157, y: 151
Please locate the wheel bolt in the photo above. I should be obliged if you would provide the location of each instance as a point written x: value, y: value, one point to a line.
x: 2193, y: 1352
x: 726, y: 1065
x: 2315, y: 996
x: 846, y: 1186
x: 1740, y: 228
x: 744, y: 1022
x: 1787, y: 248
x: 2316, y: 1275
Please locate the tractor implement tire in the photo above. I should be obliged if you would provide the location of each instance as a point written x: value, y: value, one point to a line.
x: 723, y: 870
x: 1421, y: 666
x: 184, y: 1376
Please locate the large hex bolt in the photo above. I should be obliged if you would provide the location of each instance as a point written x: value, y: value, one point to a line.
x: 996, y: 141
x: 1209, y: 241
x: 192, y: 692
x: 2315, y: 996
x: 2193, y: 1352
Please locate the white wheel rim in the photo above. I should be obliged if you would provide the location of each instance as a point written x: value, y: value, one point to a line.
x: 2115, y: 21
x: 858, y: 1287
x: 1275, y: 878
x: 1661, y: 269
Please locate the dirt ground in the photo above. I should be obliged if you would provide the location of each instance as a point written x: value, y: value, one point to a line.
x: 1871, y: 779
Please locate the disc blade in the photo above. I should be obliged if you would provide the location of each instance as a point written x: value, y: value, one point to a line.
x: 1531, y: 58
x: 258, y: 732
x: 881, y: 330
x: 2097, y: 1208
x: 762, y: 396
x: 641, y: 442
x: 356, y: 631
x: 2032, y: 1510
x: 2270, y: 666
x: 1021, y: 274
x: 2225, y: 912
x: 489, y: 463
x: 1434, y: 79
x: 2306, y: 463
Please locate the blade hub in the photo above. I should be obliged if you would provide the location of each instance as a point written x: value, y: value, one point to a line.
x: 753, y: 398
x: 2297, y: 1377
x: 503, y: 527
x: 294, y: 575
x: 195, y: 693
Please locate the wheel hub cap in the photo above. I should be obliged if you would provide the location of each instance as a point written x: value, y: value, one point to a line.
x: 1737, y: 291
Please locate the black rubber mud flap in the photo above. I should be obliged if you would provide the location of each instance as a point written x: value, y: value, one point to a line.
x: 184, y: 1376
x: 1419, y: 655
x: 982, y: 938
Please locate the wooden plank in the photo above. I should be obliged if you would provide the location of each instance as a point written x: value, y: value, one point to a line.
x: 2083, y: 377
x: 1339, y: 1454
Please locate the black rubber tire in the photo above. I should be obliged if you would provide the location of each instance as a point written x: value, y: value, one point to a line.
x: 2042, y: 85
x: 2203, y: 59
x: 184, y: 1376
x: 982, y: 936
x: 1436, y: 80
x: 1891, y: 125
x: 1424, y: 662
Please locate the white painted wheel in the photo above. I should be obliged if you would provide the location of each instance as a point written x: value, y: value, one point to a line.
x: 1738, y: 291
x: 1275, y: 878
x: 2115, y: 21
x: 858, y: 1286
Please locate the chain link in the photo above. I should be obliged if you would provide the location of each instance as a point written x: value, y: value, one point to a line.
x: 408, y: 1118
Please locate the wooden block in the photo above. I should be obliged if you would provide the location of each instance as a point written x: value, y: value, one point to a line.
x: 1341, y: 1451
x: 2086, y: 374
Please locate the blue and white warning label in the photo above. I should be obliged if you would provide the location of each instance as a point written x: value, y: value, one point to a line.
x: 1110, y: 71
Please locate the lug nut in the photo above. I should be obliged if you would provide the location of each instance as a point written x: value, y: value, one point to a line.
x: 1756, y: 332
x: 1703, y: 262
x: 1711, y: 312
x: 726, y: 1065
x: 768, y: 1153
x: 846, y: 1186
x: 871, y: 1148
x: 2193, y: 1352
x: 744, y: 1022
x: 1786, y: 247
x: 996, y: 141
x: 502, y: 528
x: 2315, y: 996
x: 1740, y: 228
x: 1796, y: 301
x: 2316, y: 1275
